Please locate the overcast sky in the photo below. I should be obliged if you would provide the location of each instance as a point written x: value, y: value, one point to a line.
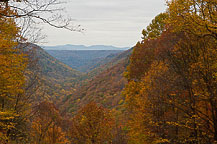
x: 106, y: 22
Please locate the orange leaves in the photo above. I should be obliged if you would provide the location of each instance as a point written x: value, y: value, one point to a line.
x: 141, y: 59
x: 12, y: 80
x: 46, y: 125
x: 12, y: 61
x: 92, y: 124
x: 142, y: 98
x: 171, y: 91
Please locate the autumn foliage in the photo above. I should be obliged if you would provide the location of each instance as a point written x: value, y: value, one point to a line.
x: 170, y: 96
x: 171, y: 91
x: 12, y: 81
x: 92, y: 125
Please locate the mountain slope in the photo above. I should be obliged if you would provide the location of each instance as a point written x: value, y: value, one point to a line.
x: 104, y: 87
x: 60, y: 83
x: 108, y: 62
x: 56, y: 80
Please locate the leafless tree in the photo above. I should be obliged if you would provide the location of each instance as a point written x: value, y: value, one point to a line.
x: 30, y: 15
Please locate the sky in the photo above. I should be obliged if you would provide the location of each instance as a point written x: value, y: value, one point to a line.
x: 106, y: 22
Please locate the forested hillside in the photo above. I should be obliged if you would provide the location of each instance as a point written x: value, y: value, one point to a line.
x: 55, y: 78
x: 102, y: 85
x: 171, y: 92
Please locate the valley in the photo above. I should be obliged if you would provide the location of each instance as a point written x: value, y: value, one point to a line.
x: 73, y: 78
x: 83, y: 60
x: 162, y: 90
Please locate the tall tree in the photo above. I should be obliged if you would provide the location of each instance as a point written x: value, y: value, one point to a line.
x: 194, y: 16
x: 12, y: 80
x: 92, y: 125
x: 46, y: 125
x: 171, y: 94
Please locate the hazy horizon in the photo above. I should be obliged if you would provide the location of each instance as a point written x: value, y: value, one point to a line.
x: 116, y: 22
x: 84, y: 47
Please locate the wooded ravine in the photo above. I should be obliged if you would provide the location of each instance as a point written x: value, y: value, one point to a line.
x: 163, y: 90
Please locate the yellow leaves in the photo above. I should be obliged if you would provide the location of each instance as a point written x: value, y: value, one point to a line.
x: 7, y: 120
x: 12, y: 61
x: 92, y: 124
x: 78, y: 100
x: 12, y: 81
x: 46, y: 124
x: 139, y: 131
x: 160, y: 140
x: 194, y: 16
x: 83, y: 119
x: 173, y: 93
x: 139, y: 103
x: 156, y: 27
x: 121, y: 102
x: 53, y: 134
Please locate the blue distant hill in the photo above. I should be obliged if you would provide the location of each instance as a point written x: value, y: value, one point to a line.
x: 82, y: 47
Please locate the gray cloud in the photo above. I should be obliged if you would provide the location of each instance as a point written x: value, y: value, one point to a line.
x: 110, y: 22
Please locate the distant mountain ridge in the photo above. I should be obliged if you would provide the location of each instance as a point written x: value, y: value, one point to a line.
x: 71, y: 89
x: 82, y: 60
x: 83, y: 47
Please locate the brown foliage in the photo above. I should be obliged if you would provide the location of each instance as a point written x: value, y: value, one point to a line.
x: 92, y: 125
